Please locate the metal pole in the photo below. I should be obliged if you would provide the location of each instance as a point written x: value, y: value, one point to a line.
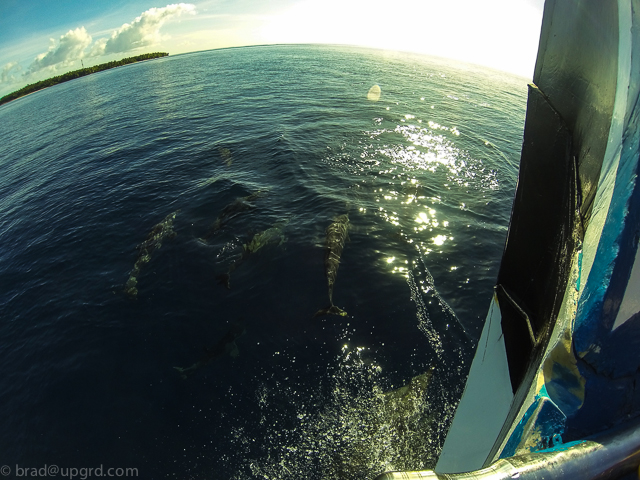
x: 606, y: 456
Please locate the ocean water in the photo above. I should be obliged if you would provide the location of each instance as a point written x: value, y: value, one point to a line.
x: 234, y: 143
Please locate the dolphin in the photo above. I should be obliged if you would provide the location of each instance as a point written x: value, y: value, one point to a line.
x: 225, y: 155
x: 158, y: 233
x: 226, y: 345
x: 239, y: 205
x: 334, y: 243
x: 272, y: 235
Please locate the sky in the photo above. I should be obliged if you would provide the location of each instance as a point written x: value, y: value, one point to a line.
x: 43, y: 38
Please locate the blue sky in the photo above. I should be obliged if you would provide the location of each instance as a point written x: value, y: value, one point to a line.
x: 43, y: 38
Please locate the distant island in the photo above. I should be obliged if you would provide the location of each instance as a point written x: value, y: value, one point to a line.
x: 33, y: 87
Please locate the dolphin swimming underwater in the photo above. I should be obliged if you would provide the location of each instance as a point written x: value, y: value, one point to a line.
x: 158, y: 233
x: 334, y: 243
x: 272, y: 235
x: 226, y: 345
x: 239, y: 205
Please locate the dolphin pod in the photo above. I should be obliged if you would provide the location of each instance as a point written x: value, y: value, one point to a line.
x: 158, y: 233
x: 226, y: 345
x: 336, y: 236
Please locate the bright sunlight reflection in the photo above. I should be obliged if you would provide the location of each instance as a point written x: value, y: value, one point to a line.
x: 502, y: 34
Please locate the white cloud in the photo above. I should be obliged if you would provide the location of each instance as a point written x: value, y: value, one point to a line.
x: 143, y: 31
x: 70, y: 47
x: 98, y: 47
x: 9, y: 72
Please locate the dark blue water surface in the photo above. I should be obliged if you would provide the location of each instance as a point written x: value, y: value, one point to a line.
x: 426, y: 174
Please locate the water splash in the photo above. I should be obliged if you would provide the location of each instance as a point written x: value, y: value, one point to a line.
x: 424, y: 320
x: 351, y: 429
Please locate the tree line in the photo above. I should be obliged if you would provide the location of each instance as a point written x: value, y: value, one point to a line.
x: 33, y: 87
